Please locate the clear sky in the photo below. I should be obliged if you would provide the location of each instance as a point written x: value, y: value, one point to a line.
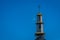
x: 18, y: 17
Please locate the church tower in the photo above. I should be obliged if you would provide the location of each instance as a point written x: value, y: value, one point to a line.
x: 39, y: 26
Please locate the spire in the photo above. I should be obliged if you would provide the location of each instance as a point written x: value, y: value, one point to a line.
x: 39, y: 33
x: 38, y: 8
x: 39, y: 14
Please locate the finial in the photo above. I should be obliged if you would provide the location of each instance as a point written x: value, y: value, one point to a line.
x: 39, y: 14
x: 38, y: 8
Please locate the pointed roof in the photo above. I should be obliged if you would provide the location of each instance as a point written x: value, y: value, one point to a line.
x: 39, y: 14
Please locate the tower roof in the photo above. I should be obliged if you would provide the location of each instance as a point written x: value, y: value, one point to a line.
x: 39, y: 14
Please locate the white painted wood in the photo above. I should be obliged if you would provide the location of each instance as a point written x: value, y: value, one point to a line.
x: 42, y: 28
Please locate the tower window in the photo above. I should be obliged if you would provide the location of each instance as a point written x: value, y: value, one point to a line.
x: 38, y: 18
x: 39, y: 27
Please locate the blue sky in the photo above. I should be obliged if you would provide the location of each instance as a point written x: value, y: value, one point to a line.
x: 18, y: 17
